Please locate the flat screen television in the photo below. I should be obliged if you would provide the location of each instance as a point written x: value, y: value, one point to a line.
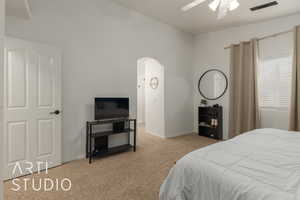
x: 111, y: 108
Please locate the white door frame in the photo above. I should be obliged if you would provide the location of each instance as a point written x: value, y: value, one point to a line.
x: 2, y: 21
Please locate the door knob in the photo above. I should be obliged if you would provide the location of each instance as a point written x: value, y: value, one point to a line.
x: 57, y: 112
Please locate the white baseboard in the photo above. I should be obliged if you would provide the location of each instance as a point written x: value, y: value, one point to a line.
x: 81, y: 157
x: 155, y: 134
x: 180, y: 134
x: 173, y: 135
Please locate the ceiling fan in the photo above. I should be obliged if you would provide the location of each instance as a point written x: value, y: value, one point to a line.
x: 223, y: 6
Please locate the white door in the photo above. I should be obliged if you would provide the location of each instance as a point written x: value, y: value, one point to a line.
x: 32, y: 129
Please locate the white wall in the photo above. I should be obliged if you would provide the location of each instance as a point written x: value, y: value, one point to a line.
x: 102, y: 42
x: 209, y: 52
x: 2, y: 18
x: 141, y: 91
x: 275, y: 118
x: 154, y: 99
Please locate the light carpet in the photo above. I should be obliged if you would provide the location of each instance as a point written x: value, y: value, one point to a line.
x: 125, y: 176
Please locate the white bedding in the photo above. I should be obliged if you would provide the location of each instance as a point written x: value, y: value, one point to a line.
x: 259, y: 165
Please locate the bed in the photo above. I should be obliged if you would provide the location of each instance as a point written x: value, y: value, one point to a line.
x: 263, y: 164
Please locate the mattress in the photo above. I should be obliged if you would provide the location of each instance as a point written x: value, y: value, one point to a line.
x: 263, y: 164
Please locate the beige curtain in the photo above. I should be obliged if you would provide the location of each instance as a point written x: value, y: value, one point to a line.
x: 295, y: 104
x: 244, y: 107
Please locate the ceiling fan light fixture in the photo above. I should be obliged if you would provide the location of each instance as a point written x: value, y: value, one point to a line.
x: 234, y: 5
x: 214, y: 5
x: 222, y: 6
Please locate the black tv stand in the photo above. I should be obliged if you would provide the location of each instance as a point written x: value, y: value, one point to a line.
x: 97, y: 142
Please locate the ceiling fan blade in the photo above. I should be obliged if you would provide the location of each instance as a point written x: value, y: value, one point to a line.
x: 214, y: 5
x: 192, y: 5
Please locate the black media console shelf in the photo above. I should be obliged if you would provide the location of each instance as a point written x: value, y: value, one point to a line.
x: 210, y: 122
x: 97, y: 141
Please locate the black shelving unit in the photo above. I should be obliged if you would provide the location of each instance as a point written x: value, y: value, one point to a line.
x: 97, y: 141
x: 205, y: 127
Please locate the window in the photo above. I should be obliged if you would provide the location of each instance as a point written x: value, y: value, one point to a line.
x: 275, y: 71
x: 275, y: 82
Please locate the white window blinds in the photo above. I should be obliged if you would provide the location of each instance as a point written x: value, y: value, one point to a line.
x: 275, y: 71
x: 275, y: 82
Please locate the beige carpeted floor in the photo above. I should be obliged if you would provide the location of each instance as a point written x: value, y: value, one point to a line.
x: 125, y: 176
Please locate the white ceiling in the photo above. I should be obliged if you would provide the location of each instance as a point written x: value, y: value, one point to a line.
x: 202, y: 19
x: 18, y: 8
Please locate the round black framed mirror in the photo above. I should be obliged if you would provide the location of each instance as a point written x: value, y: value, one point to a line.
x: 213, y: 84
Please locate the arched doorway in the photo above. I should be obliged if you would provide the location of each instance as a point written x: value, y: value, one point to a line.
x: 151, y: 96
